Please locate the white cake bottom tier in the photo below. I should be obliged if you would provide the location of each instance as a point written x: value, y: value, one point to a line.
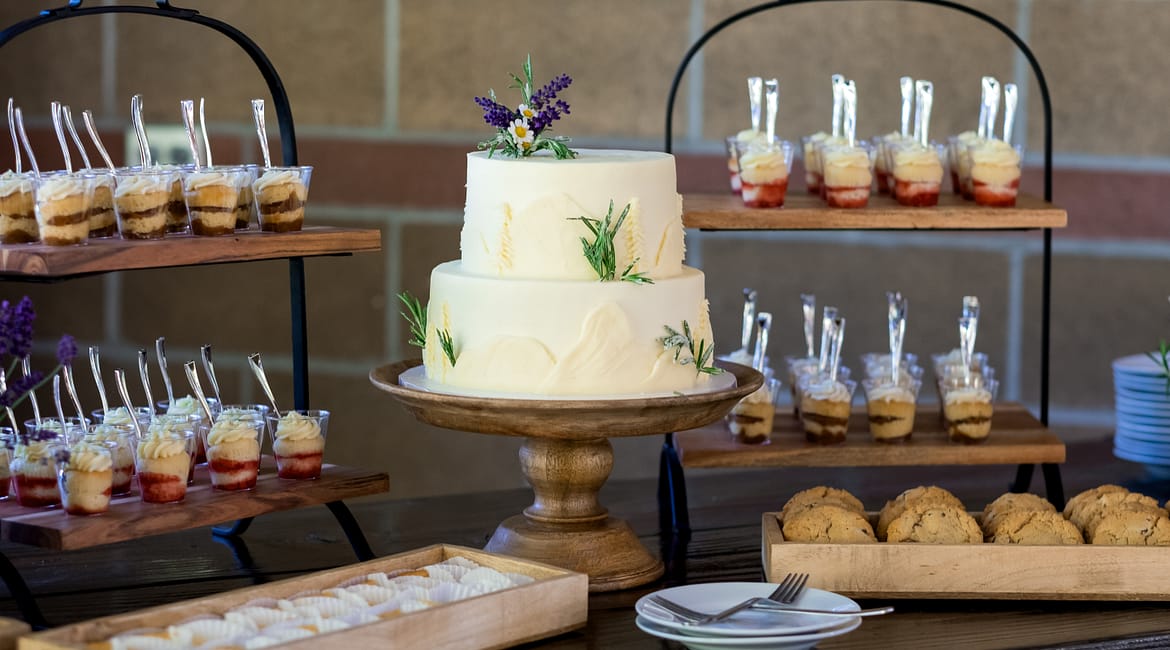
x: 563, y: 337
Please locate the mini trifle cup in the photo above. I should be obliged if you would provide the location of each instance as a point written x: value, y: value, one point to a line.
x: 968, y: 404
x: 812, y: 160
x: 85, y: 477
x: 140, y: 201
x: 34, y: 469
x: 163, y: 463
x: 995, y: 173
x: 62, y: 204
x: 280, y: 194
x: 890, y: 408
x: 877, y: 364
x: 124, y: 439
x: 188, y: 405
x: 751, y: 419
x: 178, y: 219
x: 103, y: 221
x: 847, y: 175
x: 298, y: 443
x: 960, y: 162
x: 825, y: 407
x: 120, y: 417
x: 763, y: 172
x: 917, y: 172
x: 72, y: 429
x: 233, y: 450
x: 800, y: 370
x: 18, y: 217
x: 212, y: 197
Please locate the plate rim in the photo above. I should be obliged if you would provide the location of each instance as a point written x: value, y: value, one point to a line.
x: 745, y: 641
x: 639, y: 606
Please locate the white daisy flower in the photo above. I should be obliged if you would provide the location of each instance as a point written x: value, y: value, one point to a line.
x: 526, y: 112
x: 521, y: 134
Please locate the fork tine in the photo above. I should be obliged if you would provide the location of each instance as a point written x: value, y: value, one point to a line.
x: 782, y: 587
x: 796, y: 591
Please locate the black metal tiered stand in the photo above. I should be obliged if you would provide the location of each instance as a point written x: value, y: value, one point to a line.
x: 231, y: 534
x: 672, y: 497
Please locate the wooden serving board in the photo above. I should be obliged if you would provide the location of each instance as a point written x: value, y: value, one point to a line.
x: 557, y: 602
x: 971, y: 571
x: 1016, y: 437
x: 130, y: 518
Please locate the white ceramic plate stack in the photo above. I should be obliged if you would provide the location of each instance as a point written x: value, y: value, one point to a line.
x: 748, y: 629
x: 1143, y: 413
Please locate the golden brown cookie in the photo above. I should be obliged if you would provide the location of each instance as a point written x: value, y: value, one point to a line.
x: 1035, y: 527
x: 1012, y: 502
x: 1087, y: 516
x: 821, y: 494
x: 1135, y: 527
x: 828, y: 523
x: 923, y: 493
x: 1135, y: 505
x: 1073, y: 506
x: 934, y: 523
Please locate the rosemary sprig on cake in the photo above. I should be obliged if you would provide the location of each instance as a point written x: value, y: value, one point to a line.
x: 600, y: 252
x: 524, y: 131
x: 416, y: 317
x: 700, y: 354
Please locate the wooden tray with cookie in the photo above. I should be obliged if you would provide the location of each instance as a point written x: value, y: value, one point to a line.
x: 1108, y: 544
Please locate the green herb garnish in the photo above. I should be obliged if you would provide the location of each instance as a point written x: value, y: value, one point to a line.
x: 680, y: 341
x: 416, y: 317
x: 448, y: 345
x: 1163, y: 360
x: 600, y: 252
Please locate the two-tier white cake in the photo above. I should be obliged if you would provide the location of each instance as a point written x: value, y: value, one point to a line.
x: 525, y: 310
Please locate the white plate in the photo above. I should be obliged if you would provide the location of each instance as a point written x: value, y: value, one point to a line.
x: 1142, y: 405
x: 1153, y: 396
x: 1130, y: 434
x: 1150, y: 385
x: 416, y: 378
x: 1142, y: 416
x: 784, y: 642
x: 1138, y: 457
x: 717, y: 596
x: 1137, y: 364
x: 1153, y: 429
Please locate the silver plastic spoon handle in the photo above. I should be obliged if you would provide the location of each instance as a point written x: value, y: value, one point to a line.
x: 849, y: 95
x: 187, y: 108
x: 55, y: 108
x: 924, y: 90
x: 261, y: 131
x: 197, y: 388
x: 907, y: 103
x: 755, y: 92
x: 144, y: 374
x: 763, y: 326
x: 749, y: 317
x: 838, y: 103
x: 57, y: 403
x: 26, y: 369
x: 808, y: 309
x: 95, y: 364
x: 258, y: 369
x: 71, y: 389
x: 87, y: 117
x: 838, y: 343
x: 72, y: 128
x: 209, y: 368
x: 32, y: 159
x: 160, y: 349
x: 12, y: 132
x: 772, y: 106
x: 120, y: 382
x: 140, y: 130
x: 1011, y: 98
x: 203, y: 130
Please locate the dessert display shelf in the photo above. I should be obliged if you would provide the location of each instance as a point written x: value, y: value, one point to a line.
x: 975, y: 571
x: 36, y: 261
x: 567, y: 457
x: 1016, y: 438
x: 808, y: 212
x: 129, y: 518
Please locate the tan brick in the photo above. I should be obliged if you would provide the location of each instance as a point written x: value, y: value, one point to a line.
x: 423, y: 246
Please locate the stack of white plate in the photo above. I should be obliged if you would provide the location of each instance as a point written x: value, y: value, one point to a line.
x: 750, y: 628
x: 1143, y: 413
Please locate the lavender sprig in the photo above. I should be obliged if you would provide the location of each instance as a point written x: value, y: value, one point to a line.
x: 524, y: 131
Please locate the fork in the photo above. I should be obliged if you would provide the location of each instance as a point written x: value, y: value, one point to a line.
x: 789, y: 589
x: 691, y: 617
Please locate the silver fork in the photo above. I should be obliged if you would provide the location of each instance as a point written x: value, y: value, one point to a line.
x: 789, y: 589
x: 691, y: 617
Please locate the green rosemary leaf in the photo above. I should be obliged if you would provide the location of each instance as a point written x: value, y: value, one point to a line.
x: 700, y: 356
x: 416, y: 317
x: 448, y: 345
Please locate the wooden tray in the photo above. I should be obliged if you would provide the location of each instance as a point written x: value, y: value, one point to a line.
x: 1016, y: 437
x: 558, y: 601
x: 973, y: 571
x: 130, y: 518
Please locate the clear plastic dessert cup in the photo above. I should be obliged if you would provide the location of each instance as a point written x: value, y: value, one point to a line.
x: 7, y: 444
x: 62, y: 204
x: 103, y: 222
x: 825, y: 407
x: 732, y: 163
x: 968, y: 406
x: 846, y: 174
x: 917, y: 173
x: 73, y: 428
x: 298, y: 443
x: 85, y: 476
x: 120, y: 417
x: 763, y: 172
x: 212, y: 198
x: 164, y: 462
x: 752, y: 417
x: 952, y: 362
x: 180, y: 424
x: 233, y: 450
x: 34, y: 471
x: 890, y: 408
x: 142, y: 202
x: 280, y: 194
x: 125, y: 444
x: 246, y: 208
x: 188, y: 405
x: 802, y: 370
x: 812, y: 161
x: 18, y: 217
x: 877, y: 364
x: 995, y: 173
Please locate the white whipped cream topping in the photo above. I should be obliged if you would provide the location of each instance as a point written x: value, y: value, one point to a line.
x: 143, y: 184
x: 11, y: 182
x: 277, y: 177
x: 833, y: 391
x: 232, y: 429
x: 90, y: 457
x: 197, y: 180
x: 760, y: 165
x: 58, y: 187
x: 891, y: 393
x: 294, y: 426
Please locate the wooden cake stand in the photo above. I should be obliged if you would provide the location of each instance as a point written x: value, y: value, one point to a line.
x: 567, y: 457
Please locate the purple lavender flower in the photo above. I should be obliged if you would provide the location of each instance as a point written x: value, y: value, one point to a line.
x: 66, y: 350
x: 5, y: 327
x: 549, y: 91
x: 495, y: 113
x: 20, y: 328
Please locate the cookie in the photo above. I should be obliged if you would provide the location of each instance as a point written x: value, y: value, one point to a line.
x: 1073, y: 506
x: 1012, y: 502
x: 893, y: 509
x: 1035, y: 527
x: 934, y: 523
x: 828, y: 523
x: 1135, y: 505
x: 1087, y: 516
x: 813, y: 496
x: 1125, y: 526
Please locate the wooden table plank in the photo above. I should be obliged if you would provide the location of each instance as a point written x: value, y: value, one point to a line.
x: 130, y: 518
x: 803, y: 211
x: 104, y: 255
x: 1016, y: 437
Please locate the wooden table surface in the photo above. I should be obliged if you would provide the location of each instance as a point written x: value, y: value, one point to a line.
x: 725, y: 514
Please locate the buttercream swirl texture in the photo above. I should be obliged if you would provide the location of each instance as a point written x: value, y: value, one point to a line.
x: 161, y: 446
x: 227, y: 430
x: 295, y: 426
x: 90, y: 457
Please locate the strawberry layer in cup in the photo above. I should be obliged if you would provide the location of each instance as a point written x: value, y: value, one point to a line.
x: 298, y: 443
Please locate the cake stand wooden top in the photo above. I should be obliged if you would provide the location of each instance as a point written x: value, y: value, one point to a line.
x: 567, y: 419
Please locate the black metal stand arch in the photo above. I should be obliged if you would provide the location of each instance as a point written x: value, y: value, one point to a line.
x: 672, y: 499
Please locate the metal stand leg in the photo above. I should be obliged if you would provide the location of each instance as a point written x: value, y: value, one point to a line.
x: 1023, y: 478
x: 673, y: 517
x: 234, y: 530
x: 242, y: 555
x: 353, y: 532
x: 1053, y: 487
x: 18, y: 588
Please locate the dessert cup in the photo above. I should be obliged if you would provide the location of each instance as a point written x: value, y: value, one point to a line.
x: 188, y: 405
x: 883, y: 164
x: 298, y: 443
x: 763, y: 172
x: 212, y: 198
x: 85, y: 475
x: 164, y: 462
x: 34, y: 471
x: 800, y: 371
x: 917, y: 173
x: 178, y: 219
x: 18, y: 217
x: 120, y: 417
x: 7, y: 443
x: 877, y: 364
x: 733, y: 163
x: 73, y: 428
x: 890, y: 408
x: 233, y: 450
x: 995, y: 173
x: 124, y: 439
x: 752, y: 417
x: 952, y: 362
x: 280, y: 194
x: 846, y: 175
x: 812, y: 160
x: 825, y: 406
x: 960, y: 163
x: 141, y: 201
x: 103, y: 222
x: 62, y: 204
x: 968, y: 407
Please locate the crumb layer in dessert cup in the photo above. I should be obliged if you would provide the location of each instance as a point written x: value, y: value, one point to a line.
x: 62, y: 204
x: 18, y: 217
x: 34, y: 473
x: 163, y: 463
x: 141, y: 199
x: 85, y: 477
x: 825, y: 406
x: 751, y: 419
x: 890, y: 408
x: 763, y: 172
x: 212, y: 197
x: 298, y: 443
x: 233, y: 450
x: 968, y: 407
x: 280, y: 194
x: 103, y: 222
x: 124, y: 439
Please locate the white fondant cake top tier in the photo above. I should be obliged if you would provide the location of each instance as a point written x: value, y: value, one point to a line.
x: 521, y: 218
